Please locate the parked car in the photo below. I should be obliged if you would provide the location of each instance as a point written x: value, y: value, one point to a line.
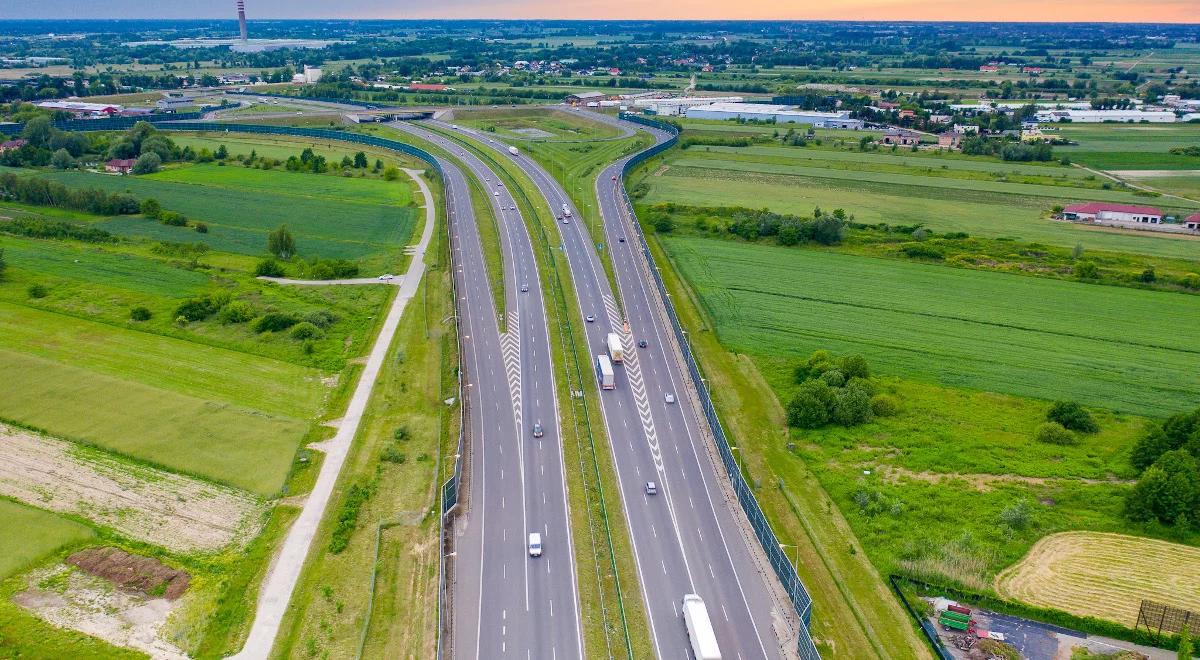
x: 386, y: 277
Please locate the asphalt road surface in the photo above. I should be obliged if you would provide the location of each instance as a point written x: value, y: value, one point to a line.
x: 508, y: 604
x: 686, y: 538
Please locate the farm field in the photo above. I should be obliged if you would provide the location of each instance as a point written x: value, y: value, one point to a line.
x: 535, y: 124
x: 1130, y: 146
x: 976, y: 212
x: 30, y: 534
x: 1187, y: 186
x: 1104, y: 575
x: 1036, y: 337
x: 323, y: 226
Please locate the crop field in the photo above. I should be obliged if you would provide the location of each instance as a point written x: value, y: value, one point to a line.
x: 30, y: 534
x: 964, y: 207
x: 1130, y: 146
x: 1035, y: 337
x: 347, y: 189
x: 1104, y: 575
x: 281, y: 147
x: 323, y: 226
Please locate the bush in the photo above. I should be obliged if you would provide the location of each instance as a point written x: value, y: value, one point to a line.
x: 140, y: 313
x: 884, y: 405
x: 275, y: 322
x: 196, y: 309
x: 37, y: 291
x: 1018, y: 516
x: 1072, y: 416
x: 853, y: 406
x: 268, y: 268
x: 147, y: 163
x: 236, y: 312
x: 201, y: 228
x: 855, y: 366
x: 1168, y: 491
x: 1085, y: 270
x: 393, y: 455
x: 305, y: 330
x: 150, y: 208
x: 922, y: 251
x: 172, y: 219
x: 833, y: 378
x: 810, y: 407
x: 1053, y: 433
x: 320, y: 318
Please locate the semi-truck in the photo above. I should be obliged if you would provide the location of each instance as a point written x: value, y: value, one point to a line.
x: 566, y: 210
x: 699, y: 628
x: 616, y: 352
x: 604, y: 373
x: 514, y: 151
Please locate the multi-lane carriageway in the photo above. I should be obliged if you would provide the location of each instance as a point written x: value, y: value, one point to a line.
x: 686, y: 539
x: 507, y: 603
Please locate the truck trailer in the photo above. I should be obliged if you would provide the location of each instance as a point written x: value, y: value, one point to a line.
x: 514, y: 151
x: 566, y: 210
x: 699, y: 629
x: 604, y: 373
x: 616, y: 351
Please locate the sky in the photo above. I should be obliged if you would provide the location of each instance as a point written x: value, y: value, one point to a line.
x: 1157, y: 11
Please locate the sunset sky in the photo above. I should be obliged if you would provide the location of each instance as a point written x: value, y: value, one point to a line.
x: 1159, y: 11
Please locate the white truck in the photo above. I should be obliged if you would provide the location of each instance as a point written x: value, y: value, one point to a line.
x: 699, y: 629
x: 604, y: 373
x: 615, y: 351
x: 566, y: 210
x: 514, y: 151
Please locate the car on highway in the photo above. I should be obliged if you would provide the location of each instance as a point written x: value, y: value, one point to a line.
x: 535, y: 544
x: 524, y: 288
x: 642, y: 343
x: 651, y: 488
x: 566, y: 220
x: 496, y: 193
x: 669, y: 397
x: 538, y: 431
x: 621, y: 239
x: 590, y: 318
x: 614, y: 177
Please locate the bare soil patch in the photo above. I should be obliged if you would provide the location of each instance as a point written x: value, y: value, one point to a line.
x: 1104, y: 575
x: 981, y: 482
x: 145, y: 575
x: 163, y: 508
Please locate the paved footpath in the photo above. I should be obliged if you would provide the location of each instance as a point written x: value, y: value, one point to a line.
x: 285, y: 570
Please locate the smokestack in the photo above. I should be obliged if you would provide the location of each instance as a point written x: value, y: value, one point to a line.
x: 241, y: 7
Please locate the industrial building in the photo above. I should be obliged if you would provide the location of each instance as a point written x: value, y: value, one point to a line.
x: 1099, y: 116
x: 81, y: 109
x: 781, y: 114
x: 174, y: 103
x: 1101, y: 212
x: 679, y: 106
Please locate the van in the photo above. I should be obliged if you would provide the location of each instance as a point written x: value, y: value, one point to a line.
x: 535, y: 544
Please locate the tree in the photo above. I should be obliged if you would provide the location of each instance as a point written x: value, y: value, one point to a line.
x: 391, y: 173
x: 1072, y: 416
x: 1168, y: 491
x: 855, y: 366
x: 38, y: 131
x: 360, y: 161
x: 3, y: 263
x: 281, y: 243
x: 158, y: 144
x: 1085, y: 270
x: 809, y: 408
x: 1152, y: 444
x: 62, y: 159
x: 147, y: 164
x: 150, y: 208
x: 268, y: 268
x: 853, y: 406
x: 346, y: 162
x: 222, y: 153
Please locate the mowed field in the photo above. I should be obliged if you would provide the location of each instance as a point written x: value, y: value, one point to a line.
x: 1130, y: 146
x: 30, y: 534
x: 1104, y: 575
x: 330, y: 216
x: 535, y: 124
x: 982, y: 198
x: 1113, y: 347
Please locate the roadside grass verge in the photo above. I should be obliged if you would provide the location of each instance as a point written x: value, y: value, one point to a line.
x: 389, y: 486
x: 31, y: 534
x: 854, y: 614
x: 607, y: 577
x: 531, y: 123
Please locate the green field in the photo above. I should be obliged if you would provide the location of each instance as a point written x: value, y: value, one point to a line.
x: 528, y: 123
x: 30, y: 534
x: 239, y: 216
x: 1130, y: 146
x: 985, y: 208
x: 1034, y: 337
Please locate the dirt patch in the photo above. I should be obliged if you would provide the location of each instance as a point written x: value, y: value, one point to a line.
x: 1104, y: 575
x: 72, y: 599
x: 144, y: 575
x: 981, y: 482
x: 162, y: 508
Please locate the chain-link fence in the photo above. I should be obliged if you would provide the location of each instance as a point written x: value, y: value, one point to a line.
x: 758, y: 521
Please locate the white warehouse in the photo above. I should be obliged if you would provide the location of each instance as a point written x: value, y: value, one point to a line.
x: 679, y: 106
x: 782, y: 114
x: 1098, y: 116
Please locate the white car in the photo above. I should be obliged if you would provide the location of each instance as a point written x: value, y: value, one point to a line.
x: 669, y: 397
x: 496, y: 193
x: 591, y: 319
x: 386, y: 277
x: 535, y: 544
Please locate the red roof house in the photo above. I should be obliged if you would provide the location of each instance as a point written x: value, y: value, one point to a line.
x: 12, y: 145
x: 120, y: 165
x: 1192, y: 222
x: 1105, y: 211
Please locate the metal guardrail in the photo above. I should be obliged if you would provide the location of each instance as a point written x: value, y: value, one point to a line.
x: 783, y: 567
x: 119, y: 123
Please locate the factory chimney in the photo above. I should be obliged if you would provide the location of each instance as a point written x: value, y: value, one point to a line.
x: 241, y: 7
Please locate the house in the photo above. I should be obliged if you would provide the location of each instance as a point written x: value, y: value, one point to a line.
x: 1035, y: 70
x: 907, y: 114
x: 887, y: 105
x: 583, y: 98
x: 80, y: 109
x: 989, y: 68
x: 1192, y: 222
x: 901, y: 137
x: 1104, y: 212
x: 614, y: 71
x: 950, y: 140
x: 120, y: 165
x: 426, y: 87
x: 12, y: 145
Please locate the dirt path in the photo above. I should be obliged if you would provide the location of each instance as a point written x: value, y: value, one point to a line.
x: 395, y: 281
x: 285, y: 570
x: 162, y: 508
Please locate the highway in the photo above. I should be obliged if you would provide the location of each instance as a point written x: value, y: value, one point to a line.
x: 507, y: 604
x: 687, y: 538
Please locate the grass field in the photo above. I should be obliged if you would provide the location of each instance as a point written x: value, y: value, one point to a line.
x: 31, y: 534
x: 977, y: 212
x: 1130, y: 146
x: 535, y: 124
x: 1035, y: 337
x: 239, y: 216
x: 1104, y: 575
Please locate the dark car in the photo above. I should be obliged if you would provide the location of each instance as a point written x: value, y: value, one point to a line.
x: 642, y: 343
